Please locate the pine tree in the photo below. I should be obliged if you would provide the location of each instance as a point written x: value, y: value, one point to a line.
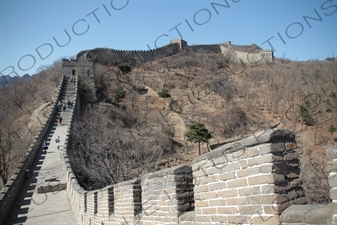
x: 119, y: 93
x: 198, y: 133
x: 164, y: 93
x: 124, y: 68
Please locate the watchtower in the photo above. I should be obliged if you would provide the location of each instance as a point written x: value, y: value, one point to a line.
x: 182, y: 43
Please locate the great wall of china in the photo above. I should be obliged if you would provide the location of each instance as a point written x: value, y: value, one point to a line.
x: 255, y: 180
x: 233, y: 53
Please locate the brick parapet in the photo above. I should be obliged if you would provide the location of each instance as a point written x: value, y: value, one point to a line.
x: 331, y: 171
x: 166, y: 195
x: 319, y: 213
x: 251, y: 181
x: 248, y: 181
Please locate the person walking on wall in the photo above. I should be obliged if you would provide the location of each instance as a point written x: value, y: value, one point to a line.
x: 60, y: 120
x: 44, y: 145
x: 58, y: 142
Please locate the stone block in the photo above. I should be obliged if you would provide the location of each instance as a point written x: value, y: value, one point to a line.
x: 201, y: 188
x: 300, y: 200
x: 201, y: 204
x: 275, y: 167
x: 248, y: 172
x: 238, y: 219
x: 241, y: 182
x: 267, y: 158
x: 331, y: 152
x: 265, y: 179
x: 265, y: 149
x: 290, y: 145
x: 296, y: 182
x: 231, y: 166
x: 207, y: 180
x: 238, y: 201
x: 245, y: 153
x: 209, y: 210
x: 219, y: 219
x: 276, y: 209
x: 209, y: 195
x: 331, y: 166
x: 199, y: 164
x: 333, y: 193
x: 278, y: 147
x: 243, y: 163
x: 217, y: 186
x: 228, y: 193
x: 223, y: 210
x: 217, y: 202
x: 221, y: 160
x: 248, y: 191
x: 269, y: 199
x: 332, y: 178
x: 200, y: 173
x: 227, y: 176
x: 291, y: 156
x: 309, y: 214
x: 202, y: 218
x: 250, y: 209
x: 265, y: 219
x: 213, y: 170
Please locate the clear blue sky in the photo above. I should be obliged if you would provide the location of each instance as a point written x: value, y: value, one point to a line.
x: 27, y: 28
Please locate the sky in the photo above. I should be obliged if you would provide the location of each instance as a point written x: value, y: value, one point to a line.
x: 34, y: 34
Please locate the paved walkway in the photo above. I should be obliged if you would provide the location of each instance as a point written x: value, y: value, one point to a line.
x: 51, y: 206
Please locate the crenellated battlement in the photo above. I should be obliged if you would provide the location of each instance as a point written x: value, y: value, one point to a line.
x: 233, y: 53
x: 250, y: 181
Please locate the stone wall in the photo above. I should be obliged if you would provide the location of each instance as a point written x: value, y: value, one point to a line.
x: 251, y: 181
x: 137, y: 57
x: 318, y: 213
x: 248, y: 182
x: 206, y: 48
x: 254, y: 56
x: 166, y: 195
x: 113, y: 56
x: 12, y: 189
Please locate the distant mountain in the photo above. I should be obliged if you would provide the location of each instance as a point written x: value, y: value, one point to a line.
x: 8, y: 80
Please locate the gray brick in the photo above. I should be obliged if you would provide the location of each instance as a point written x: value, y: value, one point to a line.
x: 265, y: 179
x: 241, y: 182
x: 231, y: 166
x: 278, y: 147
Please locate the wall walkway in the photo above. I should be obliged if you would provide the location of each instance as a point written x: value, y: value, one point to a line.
x: 44, y: 199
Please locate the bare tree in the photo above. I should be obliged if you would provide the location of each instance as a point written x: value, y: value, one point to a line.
x: 165, y: 142
x: 9, y: 153
x: 104, y: 153
x: 18, y: 95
